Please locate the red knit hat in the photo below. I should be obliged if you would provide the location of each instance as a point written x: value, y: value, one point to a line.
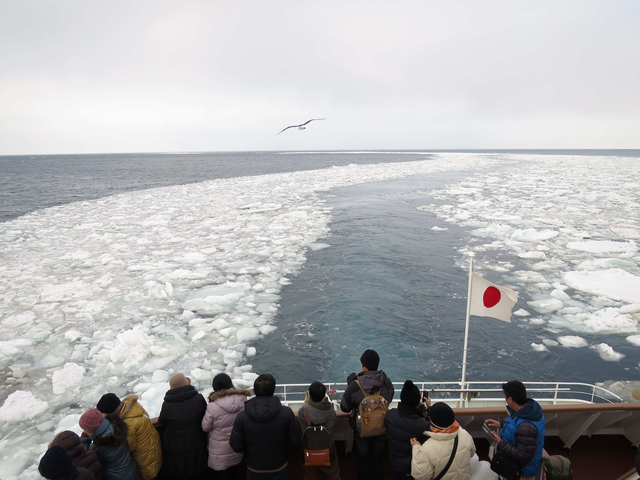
x: 91, y: 420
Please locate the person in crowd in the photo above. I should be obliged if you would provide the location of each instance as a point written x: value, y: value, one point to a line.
x: 108, y: 437
x: 403, y: 423
x: 370, y: 379
x: 225, y: 402
x: 263, y: 432
x: 143, y: 439
x: 432, y: 457
x: 184, y: 444
x: 81, y: 457
x: 319, y: 411
x: 56, y: 464
x: 522, y: 437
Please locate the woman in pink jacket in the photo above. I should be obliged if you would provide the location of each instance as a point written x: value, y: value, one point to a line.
x: 225, y: 402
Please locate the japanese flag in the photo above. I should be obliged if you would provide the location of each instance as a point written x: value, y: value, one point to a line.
x: 491, y: 300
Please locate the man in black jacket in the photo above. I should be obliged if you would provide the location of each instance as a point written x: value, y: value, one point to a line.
x: 404, y: 423
x: 263, y: 431
x: 371, y: 380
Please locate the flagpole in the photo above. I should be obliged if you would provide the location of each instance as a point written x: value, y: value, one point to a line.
x: 466, y: 332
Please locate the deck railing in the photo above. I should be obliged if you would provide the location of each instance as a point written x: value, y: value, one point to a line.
x: 475, y: 394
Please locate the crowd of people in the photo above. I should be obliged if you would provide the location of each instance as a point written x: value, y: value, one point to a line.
x: 202, y: 441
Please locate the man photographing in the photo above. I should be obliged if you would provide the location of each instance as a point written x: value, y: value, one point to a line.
x: 522, y: 437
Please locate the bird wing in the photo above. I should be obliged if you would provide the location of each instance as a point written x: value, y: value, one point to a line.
x: 290, y: 126
x: 308, y: 121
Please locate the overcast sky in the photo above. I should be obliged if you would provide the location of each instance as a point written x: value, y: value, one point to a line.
x: 148, y: 76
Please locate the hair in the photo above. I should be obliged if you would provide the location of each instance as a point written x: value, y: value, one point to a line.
x: 265, y: 385
x: 221, y: 381
x: 370, y: 360
x: 317, y: 391
x: 516, y: 390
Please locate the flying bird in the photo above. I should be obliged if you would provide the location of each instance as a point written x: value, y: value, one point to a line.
x: 302, y: 126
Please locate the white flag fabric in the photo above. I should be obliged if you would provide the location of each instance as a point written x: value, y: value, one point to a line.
x: 491, y: 300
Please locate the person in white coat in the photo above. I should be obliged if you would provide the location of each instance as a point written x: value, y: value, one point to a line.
x: 225, y: 402
x: 431, y: 458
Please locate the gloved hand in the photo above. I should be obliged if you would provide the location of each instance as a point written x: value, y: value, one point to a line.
x: 351, y: 377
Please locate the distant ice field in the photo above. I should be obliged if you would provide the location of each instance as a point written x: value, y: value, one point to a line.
x: 117, y: 293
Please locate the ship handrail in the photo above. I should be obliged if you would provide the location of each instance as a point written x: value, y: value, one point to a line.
x: 554, y: 393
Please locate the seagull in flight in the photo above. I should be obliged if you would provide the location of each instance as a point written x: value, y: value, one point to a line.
x: 302, y: 126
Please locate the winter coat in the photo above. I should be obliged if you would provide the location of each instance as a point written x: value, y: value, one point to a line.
x: 80, y: 457
x: 319, y: 413
x: 184, y: 444
x: 403, y: 424
x: 371, y: 381
x: 110, y: 442
x: 143, y: 438
x: 82, y: 474
x: 523, y: 437
x: 430, y: 458
x: 263, y: 431
x: 218, y: 420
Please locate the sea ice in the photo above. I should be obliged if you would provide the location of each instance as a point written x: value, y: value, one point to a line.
x: 21, y: 406
x: 614, y: 283
x: 572, y: 341
x: 607, y: 353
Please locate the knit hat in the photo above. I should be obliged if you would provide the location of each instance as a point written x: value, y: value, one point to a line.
x: 370, y: 360
x: 91, y: 420
x: 56, y: 464
x: 441, y: 415
x: 178, y: 380
x: 410, y: 394
x: 109, y: 403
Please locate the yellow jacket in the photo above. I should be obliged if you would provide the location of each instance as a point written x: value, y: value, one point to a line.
x: 143, y: 439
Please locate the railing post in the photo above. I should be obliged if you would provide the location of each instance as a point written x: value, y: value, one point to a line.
x: 555, y: 394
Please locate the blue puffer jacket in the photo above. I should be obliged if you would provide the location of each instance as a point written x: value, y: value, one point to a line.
x: 110, y: 443
x: 523, y: 437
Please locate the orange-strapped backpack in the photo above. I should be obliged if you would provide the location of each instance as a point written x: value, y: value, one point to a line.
x: 371, y: 412
x: 317, y: 444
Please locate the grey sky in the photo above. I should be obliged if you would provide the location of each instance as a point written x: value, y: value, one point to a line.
x: 88, y: 76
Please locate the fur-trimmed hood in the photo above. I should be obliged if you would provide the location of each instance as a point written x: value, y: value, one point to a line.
x: 129, y: 408
x: 228, y: 392
x: 112, y: 431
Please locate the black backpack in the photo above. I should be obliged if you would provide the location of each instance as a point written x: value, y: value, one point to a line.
x: 317, y: 445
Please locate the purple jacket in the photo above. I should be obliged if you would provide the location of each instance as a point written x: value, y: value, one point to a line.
x: 218, y: 421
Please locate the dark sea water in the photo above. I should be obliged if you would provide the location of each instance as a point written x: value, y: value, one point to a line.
x: 388, y: 281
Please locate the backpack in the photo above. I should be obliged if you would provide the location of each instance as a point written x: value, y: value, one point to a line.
x: 371, y: 413
x: 317, y: 445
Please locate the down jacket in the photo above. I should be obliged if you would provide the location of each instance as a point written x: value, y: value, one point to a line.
x: 430, y: 458
x: 110, y: 442
x: 403, y: 424
x: 523, y: 437
x: 218, y: 420
x: 80, y: 457
x: 143, y: 439
x: 263, y: 431
x: 184, y: 444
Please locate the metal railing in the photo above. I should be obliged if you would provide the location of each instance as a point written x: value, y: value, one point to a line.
x: 475, y: 394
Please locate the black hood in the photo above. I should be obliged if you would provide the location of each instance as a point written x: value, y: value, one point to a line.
x: 181, y: 393
x: 262, y: 409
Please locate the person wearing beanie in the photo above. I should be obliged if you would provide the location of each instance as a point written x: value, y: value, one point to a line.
x: 108, y: 438
x: 430, y: 459
x: 319, y: 411
x: 369, y: 380
x: 403, y: 423
x: 56, y: 464
x: 225, y: 402
x: 184, y: 444
x: 142, y: 437
x: 108, y: 403
x: 81, y: 458
x: 522, y: 436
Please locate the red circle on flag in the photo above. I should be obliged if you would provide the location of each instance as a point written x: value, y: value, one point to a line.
x: 491, y: 297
